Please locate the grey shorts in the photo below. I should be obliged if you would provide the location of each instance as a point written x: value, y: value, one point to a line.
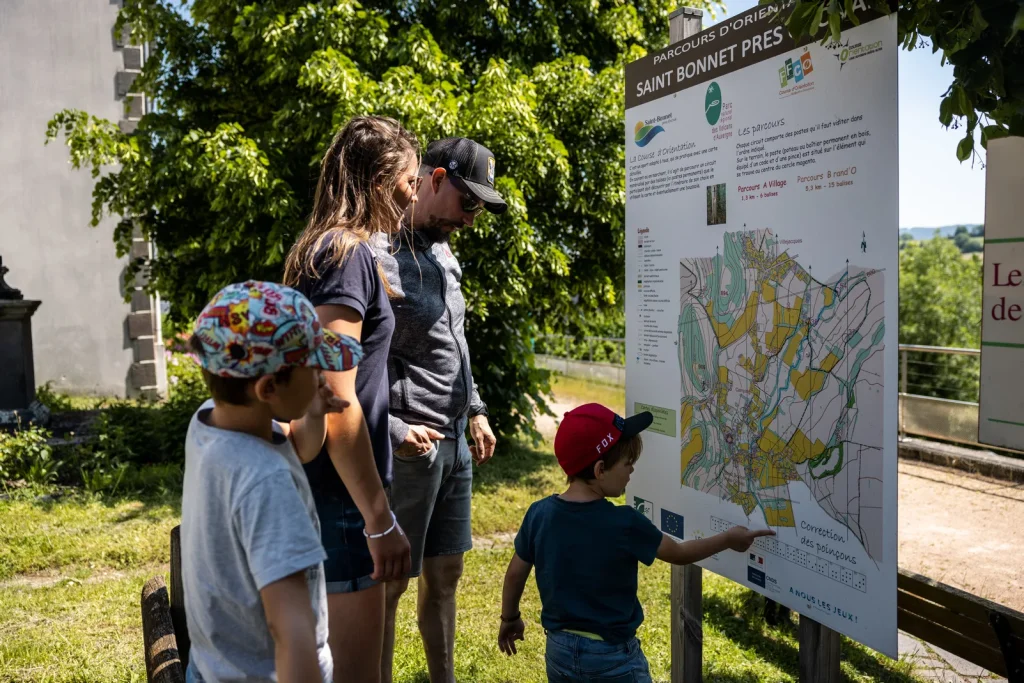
x: 431, y: 496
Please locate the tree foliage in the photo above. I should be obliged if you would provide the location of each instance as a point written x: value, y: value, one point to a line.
x: 220, y: 175
x: 980, y: 38
x: 940, y: 305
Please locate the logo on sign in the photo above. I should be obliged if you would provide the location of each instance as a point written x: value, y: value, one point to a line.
x: 755, y: 576
x: 846, y: 53
x: 644, y: 507
x: 795, y: 71
x: 713, y: 103
x: 672, y: 523
x: 643, y: 134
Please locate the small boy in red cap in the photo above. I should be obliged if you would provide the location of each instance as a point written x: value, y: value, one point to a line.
x: 586, y: 551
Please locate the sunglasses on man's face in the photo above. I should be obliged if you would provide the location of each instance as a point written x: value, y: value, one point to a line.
x: 467, y: 202
x: 470, y: 204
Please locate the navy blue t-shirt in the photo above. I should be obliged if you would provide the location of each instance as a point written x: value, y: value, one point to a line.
x: 356, y: 283
x: 585, y: 556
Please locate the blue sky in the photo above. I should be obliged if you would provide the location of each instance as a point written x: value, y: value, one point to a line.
x: 935, y: 188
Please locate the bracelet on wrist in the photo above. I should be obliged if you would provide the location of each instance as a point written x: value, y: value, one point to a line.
x: 394, y: 525
x: 511, y: 619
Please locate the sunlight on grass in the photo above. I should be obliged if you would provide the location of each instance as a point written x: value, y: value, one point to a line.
x: 84, y: 532
x: 505, y: 487
x: 71, y: 572
x: 576, y: 391
x: 73, y: 632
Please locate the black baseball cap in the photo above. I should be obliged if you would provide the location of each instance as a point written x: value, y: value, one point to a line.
x: 471, y: 167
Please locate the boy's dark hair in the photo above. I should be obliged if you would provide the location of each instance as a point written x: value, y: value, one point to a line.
x: 232, y: 390
x: 628, y: 449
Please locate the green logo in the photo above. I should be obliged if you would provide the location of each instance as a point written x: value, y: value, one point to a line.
x: 713, y: 103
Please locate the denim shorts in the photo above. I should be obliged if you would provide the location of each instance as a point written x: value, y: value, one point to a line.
x: 431, y: 497
x: 349, y: 564
x: 576, y: 659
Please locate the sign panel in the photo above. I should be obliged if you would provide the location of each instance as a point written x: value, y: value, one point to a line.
x: 762, y: 230
x: 1001, y: 410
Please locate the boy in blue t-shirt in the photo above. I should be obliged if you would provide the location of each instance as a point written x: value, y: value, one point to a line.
x: 586, y: 551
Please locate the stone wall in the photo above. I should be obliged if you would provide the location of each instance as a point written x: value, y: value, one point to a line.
x: 64, y: 54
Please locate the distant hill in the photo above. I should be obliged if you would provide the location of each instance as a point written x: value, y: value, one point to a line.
x: 928, y: 233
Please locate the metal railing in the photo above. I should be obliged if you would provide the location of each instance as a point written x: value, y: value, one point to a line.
x: 611, y: 350
x: 938, y: 390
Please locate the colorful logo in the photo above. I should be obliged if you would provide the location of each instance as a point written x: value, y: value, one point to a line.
x: 643, y: 134
x: 794, y: 72
x: 713, y: 103
x: 490, y: 170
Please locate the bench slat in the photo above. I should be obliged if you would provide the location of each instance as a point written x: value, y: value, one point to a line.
x: 178, y: 598
x: 957, y: 600
x: 949, y: 619
x: 163, y: 664
x: 956, y: 643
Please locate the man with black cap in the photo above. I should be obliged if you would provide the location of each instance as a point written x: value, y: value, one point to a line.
x: 433, y: 398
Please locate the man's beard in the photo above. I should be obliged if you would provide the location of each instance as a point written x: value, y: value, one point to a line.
x: 434, y: 229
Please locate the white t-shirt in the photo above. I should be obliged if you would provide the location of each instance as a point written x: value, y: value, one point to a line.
x: 247, y: 520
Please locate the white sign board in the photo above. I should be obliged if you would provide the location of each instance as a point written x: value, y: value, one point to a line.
x: 762, y: 280
x: 1001, y: 413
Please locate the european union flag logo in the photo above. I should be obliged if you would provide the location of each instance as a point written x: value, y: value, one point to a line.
x: 672, y: 524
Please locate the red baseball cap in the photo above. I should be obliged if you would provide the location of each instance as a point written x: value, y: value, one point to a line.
x: 587, y: 432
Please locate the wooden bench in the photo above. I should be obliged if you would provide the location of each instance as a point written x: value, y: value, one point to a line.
x: 164, y: 629
x: 972, y: 628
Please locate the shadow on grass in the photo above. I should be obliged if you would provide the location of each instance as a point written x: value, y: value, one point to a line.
x: 149, y: 505
x: 517, y: 463
x: 748, y: 629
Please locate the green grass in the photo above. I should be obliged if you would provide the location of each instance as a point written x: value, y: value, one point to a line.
x: 576, y: 391
x: 71, y: 572
x: 505, y: 486
x: 84, y: 533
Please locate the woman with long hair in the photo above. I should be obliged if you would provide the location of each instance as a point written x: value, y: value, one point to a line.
x: 368, y: 177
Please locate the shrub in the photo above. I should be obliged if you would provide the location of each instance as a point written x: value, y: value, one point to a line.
x: 139, y: 446
x: 26, y: 454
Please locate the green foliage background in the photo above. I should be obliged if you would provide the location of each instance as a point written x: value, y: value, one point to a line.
x: 247, y: 96
x: 940, y: 305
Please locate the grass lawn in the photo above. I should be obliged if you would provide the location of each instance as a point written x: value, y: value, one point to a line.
x: 576, y: 391
x: 71, y: 572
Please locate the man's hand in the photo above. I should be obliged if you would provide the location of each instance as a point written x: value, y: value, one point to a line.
x: 418, y: 440
x: 508, y: 634
x: 739, y: 538
x: 483, y: 439
x: 326, y: 401
x: 391, y: 555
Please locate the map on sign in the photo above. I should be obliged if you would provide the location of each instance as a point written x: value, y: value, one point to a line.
x: 782, y: 378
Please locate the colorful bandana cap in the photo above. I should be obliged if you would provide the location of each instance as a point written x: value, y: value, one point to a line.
x: 254, y: 328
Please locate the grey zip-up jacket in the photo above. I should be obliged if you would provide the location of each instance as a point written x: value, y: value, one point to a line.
x: 428, y: 366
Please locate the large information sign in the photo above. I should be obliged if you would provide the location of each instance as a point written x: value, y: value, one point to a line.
x: 1001, y: 410
x: 762, y: 280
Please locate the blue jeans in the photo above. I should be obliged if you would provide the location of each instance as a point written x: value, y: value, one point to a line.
x: 575, y: 659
